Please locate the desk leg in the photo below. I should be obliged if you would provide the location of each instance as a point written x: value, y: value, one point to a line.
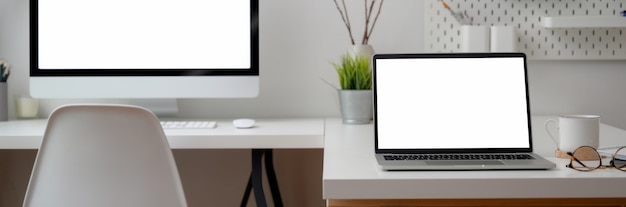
x: 271, y: 177
x: 255, y: 181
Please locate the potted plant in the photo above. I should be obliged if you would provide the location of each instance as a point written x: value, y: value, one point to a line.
x: 355, y: 95
x: 355, y: 75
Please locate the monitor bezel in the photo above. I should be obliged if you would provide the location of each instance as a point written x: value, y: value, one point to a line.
x: 36, y: 71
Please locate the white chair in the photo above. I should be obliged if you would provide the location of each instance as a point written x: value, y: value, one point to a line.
x: 104, y: 156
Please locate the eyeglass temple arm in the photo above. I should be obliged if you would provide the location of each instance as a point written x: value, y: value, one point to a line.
x: 576, y: 159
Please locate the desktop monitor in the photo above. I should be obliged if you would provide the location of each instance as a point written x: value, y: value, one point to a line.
x: 144, y: 48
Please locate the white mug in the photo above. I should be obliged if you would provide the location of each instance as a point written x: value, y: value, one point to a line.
x: 575, y: 131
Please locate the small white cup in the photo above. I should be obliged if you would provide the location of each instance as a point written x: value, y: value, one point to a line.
x: 26, y: 107
x: 575, y: 131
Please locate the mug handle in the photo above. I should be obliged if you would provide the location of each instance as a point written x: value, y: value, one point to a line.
x: 547, y: 128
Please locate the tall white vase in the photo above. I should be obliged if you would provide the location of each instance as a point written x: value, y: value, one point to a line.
x: 366, y: 50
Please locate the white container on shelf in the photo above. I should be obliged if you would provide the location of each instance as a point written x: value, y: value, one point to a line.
x: 475, y: 38
x: 503, y: 39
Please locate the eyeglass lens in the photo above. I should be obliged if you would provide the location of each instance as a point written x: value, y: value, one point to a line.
x: 586, y: 159
x: 620, y: 159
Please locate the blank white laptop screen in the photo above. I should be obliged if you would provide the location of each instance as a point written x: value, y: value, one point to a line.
x: 451, y: 103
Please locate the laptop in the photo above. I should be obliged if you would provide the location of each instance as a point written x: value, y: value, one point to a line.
x: 453, y: 111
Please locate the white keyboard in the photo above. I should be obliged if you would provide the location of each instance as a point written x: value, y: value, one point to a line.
x: 188, y: 124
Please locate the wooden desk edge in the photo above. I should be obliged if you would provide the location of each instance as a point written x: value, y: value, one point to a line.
x: 514, y: 202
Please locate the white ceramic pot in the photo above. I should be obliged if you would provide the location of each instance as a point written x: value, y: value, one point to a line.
x: 366, y: 50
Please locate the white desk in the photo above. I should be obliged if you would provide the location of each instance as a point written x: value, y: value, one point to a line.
x: 268, y: 134
x: 352, y: 177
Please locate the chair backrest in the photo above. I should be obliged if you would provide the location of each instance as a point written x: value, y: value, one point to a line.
x: 104, y: 156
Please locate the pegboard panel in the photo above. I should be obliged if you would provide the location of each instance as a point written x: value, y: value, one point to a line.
x: 443, y: 32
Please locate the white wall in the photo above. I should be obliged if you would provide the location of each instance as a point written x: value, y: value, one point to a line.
x: 298, y: 40
x: 580, y: 87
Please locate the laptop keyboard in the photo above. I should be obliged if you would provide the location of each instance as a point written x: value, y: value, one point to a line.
x: 461, y: 157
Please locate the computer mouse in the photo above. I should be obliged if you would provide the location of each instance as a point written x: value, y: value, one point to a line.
x: 243, y: 123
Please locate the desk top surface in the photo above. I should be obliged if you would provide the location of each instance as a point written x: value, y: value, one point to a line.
x: 267, y: 133
x: 351, y: 172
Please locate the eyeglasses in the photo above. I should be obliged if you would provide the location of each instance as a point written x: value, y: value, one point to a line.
x: 587, y: 158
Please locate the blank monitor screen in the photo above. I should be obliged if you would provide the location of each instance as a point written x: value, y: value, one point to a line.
x: 167, y: 40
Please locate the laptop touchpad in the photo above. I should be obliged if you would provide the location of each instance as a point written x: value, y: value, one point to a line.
x: 464, y: 162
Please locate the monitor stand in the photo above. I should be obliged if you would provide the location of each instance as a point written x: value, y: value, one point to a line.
x: 162, y: 108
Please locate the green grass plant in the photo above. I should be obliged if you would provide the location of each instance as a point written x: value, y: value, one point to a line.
x: 354, y: 72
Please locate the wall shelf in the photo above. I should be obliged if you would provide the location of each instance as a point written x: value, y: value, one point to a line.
x: 546, y: 30
x: 584, y: 22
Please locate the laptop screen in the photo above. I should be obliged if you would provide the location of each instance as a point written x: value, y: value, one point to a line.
x: 454, y: 102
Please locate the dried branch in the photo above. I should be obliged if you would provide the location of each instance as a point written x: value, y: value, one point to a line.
x: 368, y: 14
x: 369, y: 25
x: 369, y: 34
x: 345, y: 18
